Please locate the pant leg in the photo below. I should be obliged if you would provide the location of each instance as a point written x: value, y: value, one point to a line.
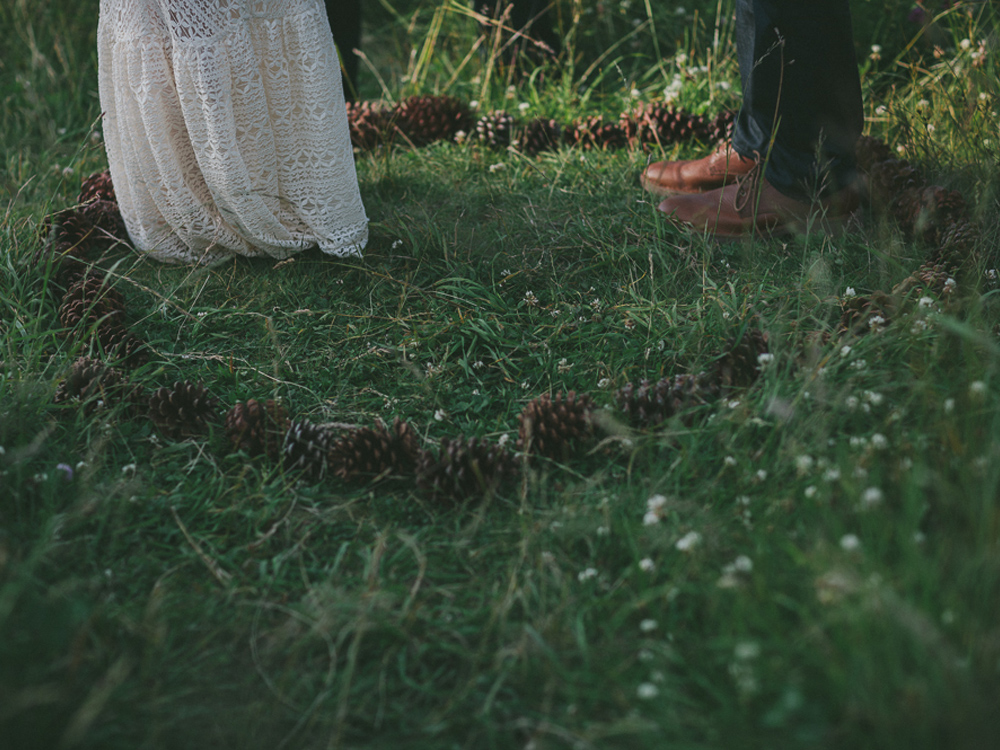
x: 800, y: 81
x: 345, y: 21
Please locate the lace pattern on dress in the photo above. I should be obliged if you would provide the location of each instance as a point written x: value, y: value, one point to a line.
x: 226, y: 129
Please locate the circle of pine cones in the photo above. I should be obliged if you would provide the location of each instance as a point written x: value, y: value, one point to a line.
x: 552, y: 427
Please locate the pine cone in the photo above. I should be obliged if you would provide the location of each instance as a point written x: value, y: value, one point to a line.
x: 594, y: 132
x: 183, y: 410
x: 94, y: 385
x: 939, y: 209
x: 869, y: 151
x: 554, y: 427
x: 370, y: 124
x: 98, y: 187
x: 368, y: 452
x: 890, y: 179
x: 495, y: 130
x: 739, y: 367
x: 90, y: 301
x: 463, y: 469
x: 307, y: 449
x: 657, y: 125
x: 651, y: 404
x: 426, y: 119
x: 539, y: 135
x: 120, y: 343
x: 865, y: 314
x: 958, y: 239
x: 258, y: 429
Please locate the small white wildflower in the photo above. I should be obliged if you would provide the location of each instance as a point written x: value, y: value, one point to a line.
x: 656, y: 502
x: 881, y: 109
x: 845, y: 350
x: 525, y: 385
x: 647, y: 691
x: 876, y: 323
x: 523, y: 107
x: 688, y: 542
x: 742, y: 564
x: 926, y: 302
x: 764, y: 359
x: 923, y: 104
x: 128, y: 469
x: 733, y: 404
x: 564, y: 365
x: 849, y: 292
x: 977, y: 388
x: 900, y: 149
x: 397, y: 244
x: 603, y: 531
x: 67, y: 172
x: 859, y: 364
x: 761, y: 475
x: 743, y: 500
x: 803, y: 463
x: 603, y: 383
x: 439, y: 415
x: 860, y: 472
x: 879, y: 441
x: 648, y: 626
x: 498, y: 166
x: 729, y: 461
x: 831, y: 474
x: 919, y: 537
x: 746, y: 650
x: 646, y: 564
x: 849, y: 542
x: 810, y: 492
x: 3, y: 451
x: 587, y: 574
x: 723, y: 85
x: 646, y: 656
x: 949, y: 405
x: 871, y: 497
x: 876, y: 49
x: 651, y: 518
x: 930, y: 127
x: 504, y: 439
x: 635, y: 93
x: 474, y: 104
x: 857, y: 441
x: 873, y: 397
x: 965, y: 44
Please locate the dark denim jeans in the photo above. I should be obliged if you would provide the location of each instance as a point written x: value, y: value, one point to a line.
x: 345, y: 20
x: 801, y: 87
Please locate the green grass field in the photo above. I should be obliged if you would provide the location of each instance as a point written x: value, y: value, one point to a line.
x: 813, y: 561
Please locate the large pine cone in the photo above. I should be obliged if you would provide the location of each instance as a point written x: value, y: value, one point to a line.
x: 891, y: 178
x: 368, y: 452
x: 495, y: 130
x: 539, y: 135
x: 939, y: 208
x: 740, y: 366
x: 594, y: 132
x: 658, y: 125
x: 97, y: 187
x: 869, y: 150
x: 865, y: 314
x: 555, y: 427
x: 94, y: 385
x: 427, y: 119
x: 258, y: 428
x: 463, y: 469
x: 183, y: 410
x: 651, y: 404
x: 370, y: 124
x: 307, y: 449
x: 91, y: 301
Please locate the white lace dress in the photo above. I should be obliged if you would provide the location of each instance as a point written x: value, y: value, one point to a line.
x: 226, y: 129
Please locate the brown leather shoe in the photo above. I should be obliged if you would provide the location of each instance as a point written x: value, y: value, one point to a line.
x: 718, y: 169
x: 755, y: 207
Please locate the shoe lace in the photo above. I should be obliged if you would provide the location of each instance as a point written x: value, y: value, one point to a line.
x: 748, y: 185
